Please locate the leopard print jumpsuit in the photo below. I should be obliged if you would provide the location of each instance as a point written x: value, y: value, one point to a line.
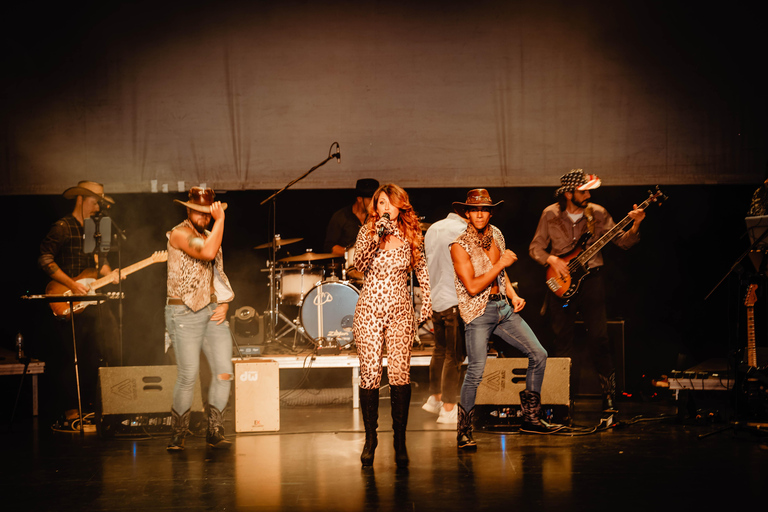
x: 384, y: 313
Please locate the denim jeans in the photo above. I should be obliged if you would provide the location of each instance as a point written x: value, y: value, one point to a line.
x: 191, y: 332
x: 501, y: 320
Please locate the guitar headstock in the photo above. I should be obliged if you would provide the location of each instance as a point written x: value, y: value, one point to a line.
x: 751, y: 297
x: 159, y: 256
x: 657, y: 197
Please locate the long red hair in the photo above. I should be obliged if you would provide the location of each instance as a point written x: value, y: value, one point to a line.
x: 407, y: 220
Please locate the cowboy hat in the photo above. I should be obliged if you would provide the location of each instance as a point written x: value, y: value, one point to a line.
x: 577, y: 180
x: 475, y: 197
x: 200, y: 199
x: 88, y: 188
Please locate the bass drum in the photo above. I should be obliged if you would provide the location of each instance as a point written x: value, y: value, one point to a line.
x: 328, y: 311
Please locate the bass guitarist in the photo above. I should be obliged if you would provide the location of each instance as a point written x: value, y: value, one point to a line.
x: 62, y: 258
x: 560, y: 229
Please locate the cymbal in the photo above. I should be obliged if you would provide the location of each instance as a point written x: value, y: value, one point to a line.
x: 425, y: 225
x: 309, y: 256
x: 281, y: 242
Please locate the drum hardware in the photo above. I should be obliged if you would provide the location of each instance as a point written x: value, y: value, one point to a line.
x: 274, y: 313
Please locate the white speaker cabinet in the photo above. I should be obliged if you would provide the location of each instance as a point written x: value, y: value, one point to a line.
x: 257, y: 396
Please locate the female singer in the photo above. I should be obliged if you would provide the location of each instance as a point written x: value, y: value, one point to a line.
x: 388, y: 246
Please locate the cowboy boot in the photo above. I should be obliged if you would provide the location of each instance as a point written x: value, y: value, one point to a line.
x: 608, y: 387
x: 369, y: 406
x: 401, y: 400
x: 179, y: 430
x: 464, y: 438
x: 215, y: 434
x: 530, y: 402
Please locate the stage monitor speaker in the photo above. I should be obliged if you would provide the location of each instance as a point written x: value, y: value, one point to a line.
x: 257, y: 396
x: 504, y: 379
x: 138, y: 399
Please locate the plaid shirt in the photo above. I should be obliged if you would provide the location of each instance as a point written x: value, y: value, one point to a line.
x: 64, y: 245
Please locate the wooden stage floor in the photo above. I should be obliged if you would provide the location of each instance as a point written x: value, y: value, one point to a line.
x: 649, y: 461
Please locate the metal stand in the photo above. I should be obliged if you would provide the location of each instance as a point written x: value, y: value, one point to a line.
x: 274, y: 315
x: 98, y: 297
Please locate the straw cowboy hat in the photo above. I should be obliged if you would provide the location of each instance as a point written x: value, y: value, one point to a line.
x: 88, y: 188
x: 200, y: 199
x: 475, y: 197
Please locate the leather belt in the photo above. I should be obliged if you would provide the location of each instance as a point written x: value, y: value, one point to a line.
x: 172, y: 301
x: 495, y: 297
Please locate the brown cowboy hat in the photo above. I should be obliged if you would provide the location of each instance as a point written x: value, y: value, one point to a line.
x: 88, y: 188
x: 200, y: 199
x: 475, y: 197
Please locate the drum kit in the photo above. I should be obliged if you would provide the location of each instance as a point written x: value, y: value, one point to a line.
x: 325, y: 288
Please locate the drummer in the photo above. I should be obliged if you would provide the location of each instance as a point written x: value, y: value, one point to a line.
x: 346, y: 223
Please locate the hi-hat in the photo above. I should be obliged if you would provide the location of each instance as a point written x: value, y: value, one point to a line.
x: 425, y: 225
x: 309, y: 256
x: 280, y: 242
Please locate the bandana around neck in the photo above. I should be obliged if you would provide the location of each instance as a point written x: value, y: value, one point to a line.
x: 484, y: 239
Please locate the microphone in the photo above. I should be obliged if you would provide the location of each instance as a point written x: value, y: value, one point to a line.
x: 381, y: 229
x: 338, y: 153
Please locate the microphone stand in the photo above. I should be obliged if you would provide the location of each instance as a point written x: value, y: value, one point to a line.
x: 273, y: 312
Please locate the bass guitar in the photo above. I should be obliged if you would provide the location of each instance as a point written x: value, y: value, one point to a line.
x: 566, y: 287
x: 88, y: 278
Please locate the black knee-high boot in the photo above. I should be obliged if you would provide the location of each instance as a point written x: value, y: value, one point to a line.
x: 401, y: 400
x: 369, y: 406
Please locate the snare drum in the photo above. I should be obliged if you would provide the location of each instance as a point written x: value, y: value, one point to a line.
x: 296, y: 281
x: 328, y: 312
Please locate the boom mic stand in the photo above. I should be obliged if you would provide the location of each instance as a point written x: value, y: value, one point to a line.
x: 274, y: 313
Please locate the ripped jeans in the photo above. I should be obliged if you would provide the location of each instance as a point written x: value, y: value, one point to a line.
x: 191, y: 332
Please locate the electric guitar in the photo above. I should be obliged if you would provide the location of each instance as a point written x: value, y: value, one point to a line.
x: 749, y: 302
x: 88, y: 278
x: 566, y: 287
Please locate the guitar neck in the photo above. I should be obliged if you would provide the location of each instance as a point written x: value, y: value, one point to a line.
x: 130, y: 269
x: 615, y: 231
x: 751, y: 347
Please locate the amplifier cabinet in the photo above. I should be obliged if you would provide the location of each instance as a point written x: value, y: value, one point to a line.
x: 504, y: 379
x: 257, y: 396
x: 135, y: 400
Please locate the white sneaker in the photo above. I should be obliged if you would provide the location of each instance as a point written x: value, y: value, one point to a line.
x: 434, y: 406
x: 449, y: 417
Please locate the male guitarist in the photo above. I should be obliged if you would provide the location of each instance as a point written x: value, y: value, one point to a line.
x: 62, y: 258
x: 560, y: 228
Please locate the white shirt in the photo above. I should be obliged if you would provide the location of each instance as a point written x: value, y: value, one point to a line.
x: 437, y: 242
